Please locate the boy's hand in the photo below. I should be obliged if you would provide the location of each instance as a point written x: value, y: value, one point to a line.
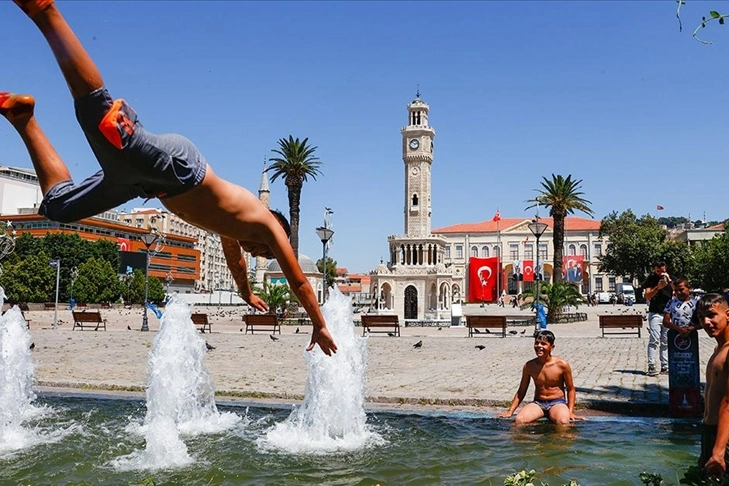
x: 505, y: 415
x: 574, y: 417
x: 715, y: 467
x: 256, y: 302
x: 324, y: 340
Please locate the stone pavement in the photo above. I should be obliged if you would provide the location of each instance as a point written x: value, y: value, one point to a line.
x: 447, y: 371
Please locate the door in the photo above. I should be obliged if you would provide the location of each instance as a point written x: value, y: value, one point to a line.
x: 411, y: 303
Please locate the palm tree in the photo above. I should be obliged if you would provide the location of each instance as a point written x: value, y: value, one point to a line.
x: 295, y: 164
x: 555, y: 297
x: 562, y: 197
x: 276, y: 296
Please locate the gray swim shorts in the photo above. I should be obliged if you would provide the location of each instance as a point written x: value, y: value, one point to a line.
x: 134, y: 162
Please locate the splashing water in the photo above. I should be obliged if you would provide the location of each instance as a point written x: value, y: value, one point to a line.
x: 16, y: 382
x: 332, y: 416
x: 180, y: 394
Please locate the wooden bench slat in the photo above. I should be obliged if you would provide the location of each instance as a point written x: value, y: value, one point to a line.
x: 390, y: 324
x: 262, y: 322
x: 201, y: 319
x: 473, y: 323
x: 626, y: 324
x: 85, y: 319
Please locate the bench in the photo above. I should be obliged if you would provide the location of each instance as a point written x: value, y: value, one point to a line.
x: 85, y: 319
x: 200, y: 319
x: 380, y: 323
x: 81, y: 305
x: 262, y: 322
x: 105, y: 305
x: 474, y: 323
x: 621, y: 324
x: 49, y: 305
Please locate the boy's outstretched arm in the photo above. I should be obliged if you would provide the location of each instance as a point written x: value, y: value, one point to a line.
x: 239, y: 270
x: 520, y: 394
x: 300, y: 286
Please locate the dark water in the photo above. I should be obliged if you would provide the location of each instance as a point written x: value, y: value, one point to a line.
x: 430, y: 448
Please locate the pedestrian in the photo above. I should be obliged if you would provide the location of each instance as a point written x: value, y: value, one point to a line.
x: 138, y: 163
x: 658, y: 291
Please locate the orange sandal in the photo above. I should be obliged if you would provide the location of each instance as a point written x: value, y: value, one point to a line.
x: 33, y: 7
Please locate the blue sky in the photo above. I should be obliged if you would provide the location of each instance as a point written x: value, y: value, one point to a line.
x: 610, y: 92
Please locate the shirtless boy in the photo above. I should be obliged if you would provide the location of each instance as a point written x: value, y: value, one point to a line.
x: 138, y: 163
x: 713, y: 313
x: 552, y: 381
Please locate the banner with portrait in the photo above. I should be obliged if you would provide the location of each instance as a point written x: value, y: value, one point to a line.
x: 573, y: 268
x: 483, y: 276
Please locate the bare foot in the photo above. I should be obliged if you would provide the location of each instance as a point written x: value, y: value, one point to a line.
x: 33, y: 7
x: 17, y: 108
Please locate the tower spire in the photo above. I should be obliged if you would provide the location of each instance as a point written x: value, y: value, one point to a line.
x: 417, y: 91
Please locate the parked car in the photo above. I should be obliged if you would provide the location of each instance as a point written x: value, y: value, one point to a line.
x: 603, y: 297
x: 624, y: 292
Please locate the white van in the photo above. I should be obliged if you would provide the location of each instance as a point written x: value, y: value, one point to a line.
x: 625, y: 292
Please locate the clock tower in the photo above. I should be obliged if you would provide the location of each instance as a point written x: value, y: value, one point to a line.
x: 417, y: 155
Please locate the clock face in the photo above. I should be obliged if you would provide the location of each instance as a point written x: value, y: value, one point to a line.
x: 414, y: 143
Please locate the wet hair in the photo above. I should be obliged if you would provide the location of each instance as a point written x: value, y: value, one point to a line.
x: 282, y: 221
x: 708, y: 301
x: 681, y: 280
x: 544, y: 335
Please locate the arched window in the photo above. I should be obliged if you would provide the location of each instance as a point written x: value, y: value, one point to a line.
x: 583, y: 250
x: 571, y: 250
x: 415, y: 199
x: 485, y: 251
x: 474, y: 251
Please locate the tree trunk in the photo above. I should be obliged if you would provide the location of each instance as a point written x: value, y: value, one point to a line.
x: 294, y: 194
x: 558, y: 241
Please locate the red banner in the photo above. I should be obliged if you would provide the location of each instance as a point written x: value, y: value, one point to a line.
x: 124, y: 244
x: 483, y: 279
x: 573, y: 268
x: 528, y: 269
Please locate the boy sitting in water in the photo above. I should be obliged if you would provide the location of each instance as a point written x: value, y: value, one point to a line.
x: 713, y: 314
x: 552, y: 381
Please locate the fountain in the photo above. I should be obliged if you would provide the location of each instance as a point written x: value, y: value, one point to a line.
x: 180, y: 395
x: 332, y: 416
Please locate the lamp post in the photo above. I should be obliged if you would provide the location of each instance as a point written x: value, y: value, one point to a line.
x: 537, y: 228
x: 74, y: 277
x: 325, y: 234
x: 219, y: 283
x: 149, y: 239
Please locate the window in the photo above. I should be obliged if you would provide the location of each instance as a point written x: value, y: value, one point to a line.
x: 598, y: 250
x: 571, y: 250
x: 484, y: 251
x: 583, y: 251
x: 497, y: 251
x: 459, y: 251
x: 514, y: 251
x: 529, y: 251
x: 543, y: 254
x: 598, y: 284
x: 474, y: 251
x: 611, y: 284
x: 448, y: 251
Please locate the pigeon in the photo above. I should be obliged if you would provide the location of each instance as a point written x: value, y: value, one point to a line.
x: 391, y: 334
x: 241, y: 329
x: 273, y: 338
x: 513, y: 332
x: 440, y: 328
x: 419, y: 344
x: 480, y: 347
x: 297, y: 330
x: 477, y: 331
x: 209, y: 346
x: 524, y: 331
x: 202, y: 330
x: 129, y: 328
x: 32, y: 346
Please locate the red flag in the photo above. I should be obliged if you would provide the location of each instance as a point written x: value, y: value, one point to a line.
x: 124, y: 244
x: 483, y: 274
x: 572, y: 268
x: 497, y: 216
x: 659, y: 207
x: 528, y: 270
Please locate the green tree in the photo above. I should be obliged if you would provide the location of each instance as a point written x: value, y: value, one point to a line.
x: 275, y: 295
x: 555, y: 297
x: 295, y: 164
x: 29, y: 280
x: 562, y: 196
x: 97, y: 282
x: 711, y: 270
x: 331, y: 270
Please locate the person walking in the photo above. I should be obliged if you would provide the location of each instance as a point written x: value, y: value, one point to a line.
x: 658, y: 292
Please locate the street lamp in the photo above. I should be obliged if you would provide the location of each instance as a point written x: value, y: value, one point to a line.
x: 324, y: 234
x: 74, y: 277
x: 537, y: 228
x: 150, y: 239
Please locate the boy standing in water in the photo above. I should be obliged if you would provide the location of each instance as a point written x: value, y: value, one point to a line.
x: 138, y: 163
x: 713, y: 314
x: 552, y: 382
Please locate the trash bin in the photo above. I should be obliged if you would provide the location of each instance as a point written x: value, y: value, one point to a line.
x: 456, y: 314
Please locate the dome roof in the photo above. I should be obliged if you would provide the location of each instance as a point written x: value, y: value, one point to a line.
x: 307, y: 265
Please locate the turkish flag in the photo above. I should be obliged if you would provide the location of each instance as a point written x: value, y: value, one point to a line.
x: 528, y: 270
x: 497, y: 216
x: 124, y: 244
x: 483, y: 276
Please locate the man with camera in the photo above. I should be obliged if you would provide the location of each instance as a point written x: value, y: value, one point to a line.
x: 657, y: 291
